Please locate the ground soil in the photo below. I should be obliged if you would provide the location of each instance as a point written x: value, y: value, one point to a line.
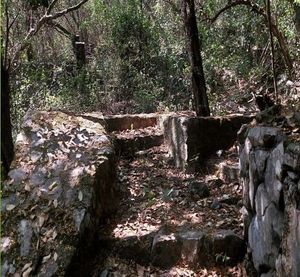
x: 155, y: 193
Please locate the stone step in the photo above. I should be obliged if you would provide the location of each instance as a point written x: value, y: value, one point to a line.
x: 229, y: 171
x: 128, y: 146
x: 172, y: 245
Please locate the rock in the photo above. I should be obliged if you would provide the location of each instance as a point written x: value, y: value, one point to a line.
x: 229, y: 200
x: 198, y: 190
x: 273, y: 173
x: 229, y: 245
x: 287, y: 264
x: 215, y: 205
x: 267, y: 137
x: 105, y: 273
x: 265, y: 230
x: 229, y: 172
x: 62, y: 183
x: 193, y: 246
x: 271, y: 185
x: 135, y: 248
x: 25, y: 235
x: 295, y: 177
x: 270, y: 273
x: 192, y: 139
x: 216, y: 183
x: 292, y: 156
x: 166, y: 249
x: 128, y: 146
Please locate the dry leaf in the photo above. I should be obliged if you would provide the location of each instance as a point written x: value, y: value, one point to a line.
x: 52, y: 186
x: 27, y: 272
x: 55, y: 256
x: 26, y: 266
x: 46, y: 258
x: 55, y: 203
x: 80, y: 195
x: 42, y: 218
x: 27, y: 187
x: 10, y: 207
x: 54, y: 235
x: 140, y: 270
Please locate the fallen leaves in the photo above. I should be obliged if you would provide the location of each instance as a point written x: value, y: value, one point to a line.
x: 157, y: 194
x: 10, y: 207
x: 55, y: 203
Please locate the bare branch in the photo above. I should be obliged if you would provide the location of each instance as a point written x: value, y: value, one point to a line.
x: 61, y: 29
x: 51, y: 6
x: 13, y: 21
x: 44, y: 20
x: 65, y: 11
x: 248, y: 3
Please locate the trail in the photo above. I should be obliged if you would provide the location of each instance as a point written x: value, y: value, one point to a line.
x: 155, y: 194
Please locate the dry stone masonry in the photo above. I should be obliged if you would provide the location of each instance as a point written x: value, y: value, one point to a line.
x: 270, y: 172
x: 192, y: 139
x: 62, y: 183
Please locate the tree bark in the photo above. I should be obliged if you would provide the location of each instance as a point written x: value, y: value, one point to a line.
x: 193, y: 46
x: 7, y: 146
x: 268, y: 8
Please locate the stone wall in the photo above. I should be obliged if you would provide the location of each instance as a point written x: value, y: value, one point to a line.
x: 61, y: 185
x: 270, y: 171
x: 192, y: 139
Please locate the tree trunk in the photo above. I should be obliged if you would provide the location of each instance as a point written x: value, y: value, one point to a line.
x: 297, y: 17
x: 193, y: 46
x: 7, y: 146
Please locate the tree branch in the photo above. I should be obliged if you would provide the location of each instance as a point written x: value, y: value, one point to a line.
x: 248, y: 3
x: 61, y: 29
x: 51, y: 6
x: 276, y: 32
x: 43, y: 20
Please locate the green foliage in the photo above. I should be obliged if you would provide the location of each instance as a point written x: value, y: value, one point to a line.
x: 36, y: 3
x: 136, y: 55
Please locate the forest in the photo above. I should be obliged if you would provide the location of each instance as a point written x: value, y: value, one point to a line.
x: 133, y: 55
x: 194, y: 105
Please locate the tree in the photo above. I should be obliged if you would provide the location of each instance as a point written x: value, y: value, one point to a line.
x: 11, y: 56
x: 193, y: 46
x: 272, y: 25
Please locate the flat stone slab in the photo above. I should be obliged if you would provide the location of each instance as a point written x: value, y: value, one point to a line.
x: 62, y: 182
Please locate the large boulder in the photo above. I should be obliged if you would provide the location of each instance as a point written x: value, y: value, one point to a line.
x: 61, y: 185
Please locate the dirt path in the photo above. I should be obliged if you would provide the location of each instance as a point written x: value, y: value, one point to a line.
x: 155, y: 194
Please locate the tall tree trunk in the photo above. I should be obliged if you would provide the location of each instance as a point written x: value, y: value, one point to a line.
x: 268, y: 8
x: 7, y: 146
x: 297, y: 17
x: 193, y: 46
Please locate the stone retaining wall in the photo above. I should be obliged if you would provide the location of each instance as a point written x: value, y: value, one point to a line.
x: 192, y: 139
x: 61, y: 185
x: 270, y: 172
